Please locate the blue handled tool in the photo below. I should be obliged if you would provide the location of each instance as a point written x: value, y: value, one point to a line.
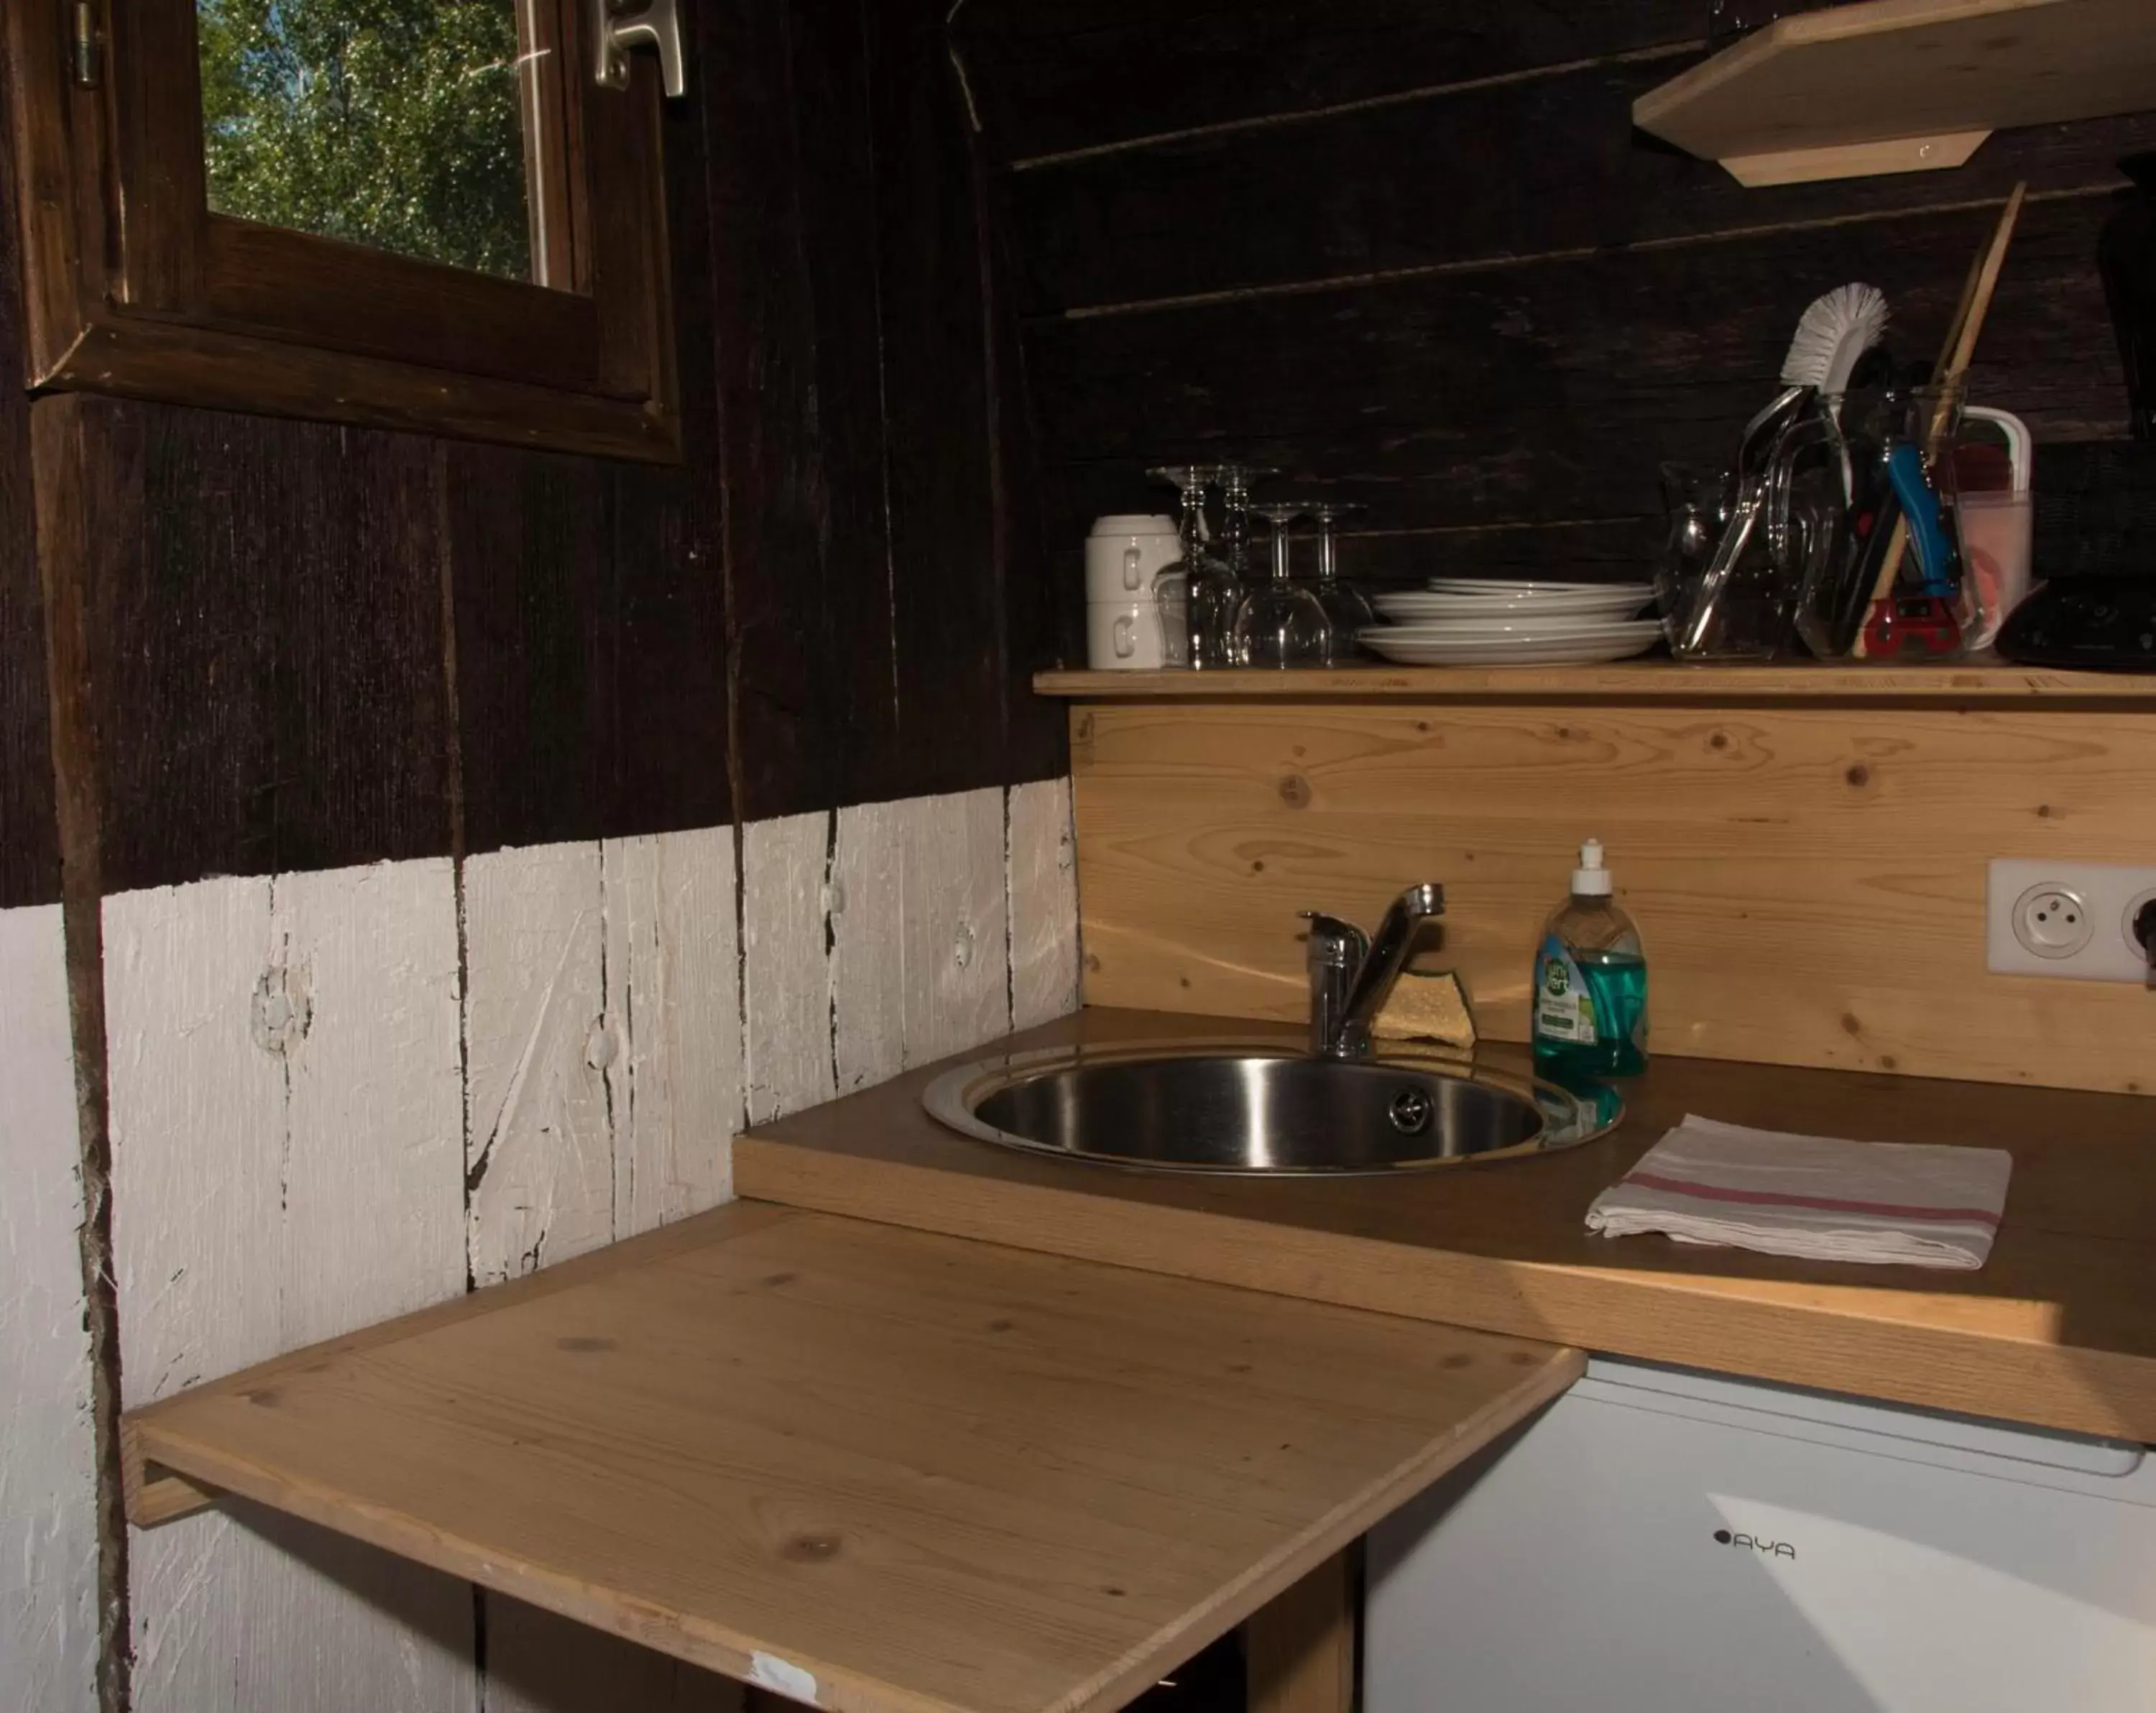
x: 1920, y: 508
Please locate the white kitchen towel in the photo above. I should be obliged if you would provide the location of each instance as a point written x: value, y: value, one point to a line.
x: 1811, y: 1196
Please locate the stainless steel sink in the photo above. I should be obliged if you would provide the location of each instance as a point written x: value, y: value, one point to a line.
x: 1259, y: 1109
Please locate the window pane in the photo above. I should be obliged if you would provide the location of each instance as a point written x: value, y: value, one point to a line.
x: 390, y: 123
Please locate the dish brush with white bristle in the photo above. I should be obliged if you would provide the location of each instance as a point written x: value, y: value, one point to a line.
x: 1833, y: 336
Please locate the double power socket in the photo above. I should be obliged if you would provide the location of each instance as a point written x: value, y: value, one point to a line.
x: 2075, y: 920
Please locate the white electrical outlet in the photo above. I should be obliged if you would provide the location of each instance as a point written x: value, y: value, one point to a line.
x: 2074, y: 920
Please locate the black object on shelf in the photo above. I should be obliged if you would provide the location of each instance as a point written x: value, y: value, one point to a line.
x: 2127, y: 254
x: 2094, y: 510
x: 2085, y: 624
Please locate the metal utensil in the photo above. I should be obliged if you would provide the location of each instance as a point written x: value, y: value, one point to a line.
x: 1764, y: 429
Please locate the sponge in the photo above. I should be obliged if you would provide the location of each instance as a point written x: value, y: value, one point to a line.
x: 1427, y: 1007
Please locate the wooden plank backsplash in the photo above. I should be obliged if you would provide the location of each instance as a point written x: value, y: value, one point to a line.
x: 1810, y: 882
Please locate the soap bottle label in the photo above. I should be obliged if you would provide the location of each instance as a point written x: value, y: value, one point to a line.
x: 1564, y: 1009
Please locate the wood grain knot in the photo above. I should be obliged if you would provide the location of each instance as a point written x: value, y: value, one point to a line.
x: 1849, y: 1025
x: 2044, y: 812
x: 811, y: 1549
x: 1858, y: 775
x: 283, y: 1010
x: 1295, y: 791
x: 584, y: 1346
x: 1084, y: 728
x: 1458, y: 1359
x: 1001, y: 1326
x: 1523, y: 1359
x: 775, y: 1280
x: 267, y: 1397
x: 1113, y: 1593
x: 1720, y: 741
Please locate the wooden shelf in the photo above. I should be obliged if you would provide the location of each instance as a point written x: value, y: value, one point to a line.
x: 1903, y: 85
x: 1630, y: 681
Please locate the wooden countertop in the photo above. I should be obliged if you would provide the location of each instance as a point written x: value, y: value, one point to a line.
x: 2059, y: 1328
x: 878, y: 1469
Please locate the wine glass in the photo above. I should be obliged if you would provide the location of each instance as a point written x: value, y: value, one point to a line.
x: 1347, y: 606
x: 1234, y: 480
x: 1209, y: 591
x: 1280, y: 622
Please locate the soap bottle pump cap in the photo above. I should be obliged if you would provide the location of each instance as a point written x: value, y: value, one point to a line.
x: 1590, y: 880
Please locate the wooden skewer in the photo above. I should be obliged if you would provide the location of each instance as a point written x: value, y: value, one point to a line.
x: 1960, y: 347
x: 1952, y: 342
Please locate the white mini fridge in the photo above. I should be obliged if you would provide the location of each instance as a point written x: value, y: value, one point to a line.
x: 1663, y: 1541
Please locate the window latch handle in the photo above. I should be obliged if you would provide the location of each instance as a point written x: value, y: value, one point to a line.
x: 655, y: 24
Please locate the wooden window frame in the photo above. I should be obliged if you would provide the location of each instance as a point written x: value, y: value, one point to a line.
x: 132, y: 286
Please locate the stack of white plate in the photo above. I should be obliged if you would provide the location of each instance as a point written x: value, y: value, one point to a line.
x: 1480, y: 621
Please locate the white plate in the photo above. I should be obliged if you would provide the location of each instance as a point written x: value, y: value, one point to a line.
x: 1507, y: 651
x: 1620, y: 603
x: 1490, y: 588
x: 1520, y: 630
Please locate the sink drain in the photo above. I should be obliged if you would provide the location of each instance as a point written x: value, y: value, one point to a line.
x: 1410, y: 1112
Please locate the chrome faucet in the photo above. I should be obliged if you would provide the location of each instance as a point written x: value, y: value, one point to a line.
x: 1351, y: 973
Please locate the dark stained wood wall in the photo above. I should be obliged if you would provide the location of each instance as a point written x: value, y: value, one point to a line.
x: 312, y: 645
x: 29, y: 838
x: 1412, y: 251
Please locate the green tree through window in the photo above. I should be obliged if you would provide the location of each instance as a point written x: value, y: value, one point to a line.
x: 389, y: 123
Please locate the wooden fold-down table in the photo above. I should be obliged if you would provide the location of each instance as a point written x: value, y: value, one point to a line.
x: 871, y: 1468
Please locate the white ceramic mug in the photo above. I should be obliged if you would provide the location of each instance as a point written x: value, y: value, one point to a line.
x: 1123, y: 554
x: 1123, y: 636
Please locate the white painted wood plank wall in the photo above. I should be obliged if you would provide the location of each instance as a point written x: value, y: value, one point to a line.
x: 786, y: 965
x: 539, y: 1153
x: 332, y: 1101
x: 48, y: 1478
x: 868, y: 962
x: 603, y: 1035
x: 953, y: 926
x: 286, y: 1105
x: 674, y: 1001
x: 1043, y: 904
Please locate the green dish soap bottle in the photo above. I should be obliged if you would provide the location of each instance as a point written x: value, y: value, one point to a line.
x: 1590, y: 997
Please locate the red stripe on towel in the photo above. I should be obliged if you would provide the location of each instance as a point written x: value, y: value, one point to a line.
x: 1824, y: 1204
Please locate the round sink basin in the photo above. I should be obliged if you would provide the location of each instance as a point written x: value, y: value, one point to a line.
x: 1258, y: 1111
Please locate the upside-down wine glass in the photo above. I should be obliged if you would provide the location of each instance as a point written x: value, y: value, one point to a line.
x: 1280, y: 622
x: 1346, y: 606
x: 1210, y: 592
x: 1234, y: 480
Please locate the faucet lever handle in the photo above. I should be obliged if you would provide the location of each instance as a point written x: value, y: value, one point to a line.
x: 1337, y: 953
x: 1335, y: 942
